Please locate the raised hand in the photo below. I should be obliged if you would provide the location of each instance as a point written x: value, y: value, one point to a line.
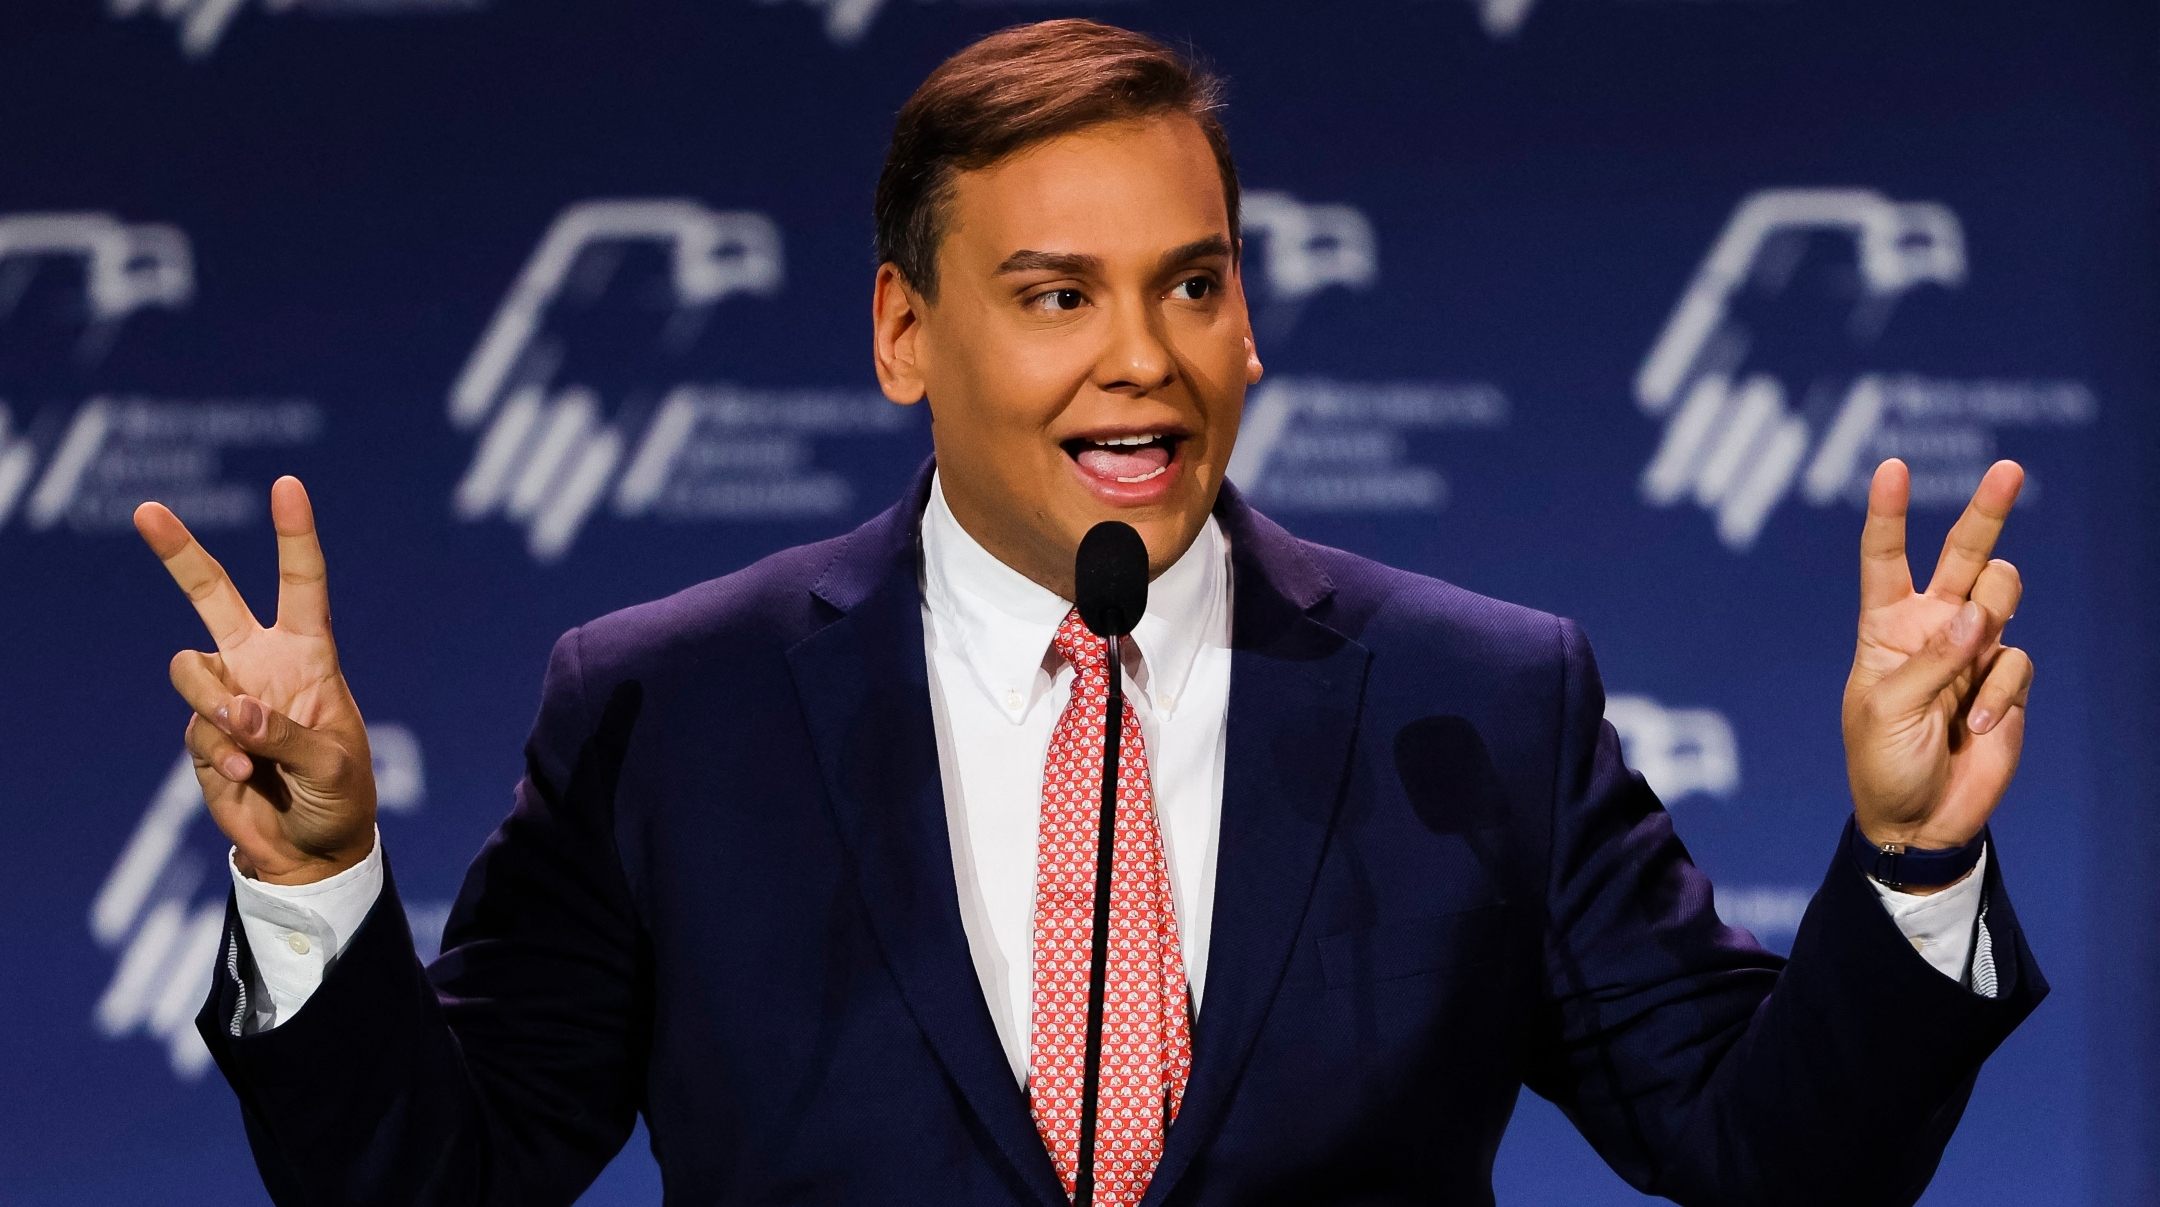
x: 278, y: 743
x: 1935, y: 707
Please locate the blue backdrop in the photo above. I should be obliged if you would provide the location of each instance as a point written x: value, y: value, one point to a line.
x: 1603, y: 306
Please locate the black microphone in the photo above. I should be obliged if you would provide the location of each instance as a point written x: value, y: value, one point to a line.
x: 1110, y: 579
x: 1110, y: 582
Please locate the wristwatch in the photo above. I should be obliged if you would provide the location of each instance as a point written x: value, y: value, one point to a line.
x: 1898, y: 866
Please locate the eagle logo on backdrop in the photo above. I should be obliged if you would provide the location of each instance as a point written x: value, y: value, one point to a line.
x: 1680, y: 751
x: 202, y: 24
x: 561, y: 434
x: 76, y: 452
x: 1320, y: 444
x: 161, y: 909
x: 123, y: 268
x: 1754, y: 410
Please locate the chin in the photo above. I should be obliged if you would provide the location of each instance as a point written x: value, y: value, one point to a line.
x: 1168, y: 526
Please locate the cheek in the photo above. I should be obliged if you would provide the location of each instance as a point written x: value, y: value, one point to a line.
x: 1223, y: 420
x: 1219, y: 387
x: 997, y: 403
x: 1017, y: 387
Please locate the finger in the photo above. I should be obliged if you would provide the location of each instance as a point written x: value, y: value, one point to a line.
x: 1949, y: 652
x: 264, y: 732
x: 2009, y: 734
x: 2008, y: 685
x: 201, y: 681
x: 211, y: 748
x: 303, y: 590
x: 1972, y: 539
x: 253, y: 726
x: 1885, y: 578
x: 208, y: 587
x: 2000, y: 590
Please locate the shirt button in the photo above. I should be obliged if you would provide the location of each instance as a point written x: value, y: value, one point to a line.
x: 1012, y: 701
x: 1169, y: 701
x: 298, y: 943
x: 1918, y: 943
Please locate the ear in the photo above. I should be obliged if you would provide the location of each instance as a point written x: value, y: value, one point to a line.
x: 896, y: 320
x: 1253, y: 368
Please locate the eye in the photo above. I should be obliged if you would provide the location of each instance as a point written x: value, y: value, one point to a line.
x: 1192, y: 289
x: 1059, y: 300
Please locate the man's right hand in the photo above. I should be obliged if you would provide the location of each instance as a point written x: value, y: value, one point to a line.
x: 278, y: 743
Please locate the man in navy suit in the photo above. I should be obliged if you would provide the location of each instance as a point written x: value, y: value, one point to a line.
x: 788, y: 871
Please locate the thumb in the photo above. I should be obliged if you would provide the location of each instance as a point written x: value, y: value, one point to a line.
x: 264, y: 731
x: 1940, y: 661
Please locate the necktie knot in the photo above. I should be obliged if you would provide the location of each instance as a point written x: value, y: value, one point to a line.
x: 1088, y: 653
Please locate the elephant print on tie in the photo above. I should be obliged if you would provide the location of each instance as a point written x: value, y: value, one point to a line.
x: 1146, y: 1031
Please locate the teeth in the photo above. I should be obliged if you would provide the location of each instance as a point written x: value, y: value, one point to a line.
x: 1153, y: 473
x: 1120, y: 441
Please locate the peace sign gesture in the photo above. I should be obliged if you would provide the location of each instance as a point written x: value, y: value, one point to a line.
x: 1935, y: 707
x: 278, y: 743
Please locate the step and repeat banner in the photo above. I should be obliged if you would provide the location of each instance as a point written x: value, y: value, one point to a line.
x: 1608, y: 307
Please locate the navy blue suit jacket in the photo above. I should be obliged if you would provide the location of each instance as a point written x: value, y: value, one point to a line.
x: 725, y: 899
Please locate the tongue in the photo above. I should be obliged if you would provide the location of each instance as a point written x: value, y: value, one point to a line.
x: 1136, y: 462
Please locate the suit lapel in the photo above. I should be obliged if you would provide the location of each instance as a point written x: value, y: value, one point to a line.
x: 1295, y: 694
x: 865, y: 697
x: 1296, y: 687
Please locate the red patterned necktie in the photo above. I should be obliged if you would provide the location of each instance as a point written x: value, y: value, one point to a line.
x: 1146, y: 1034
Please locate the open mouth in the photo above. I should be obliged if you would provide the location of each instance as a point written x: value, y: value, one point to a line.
x: 1127, y: 460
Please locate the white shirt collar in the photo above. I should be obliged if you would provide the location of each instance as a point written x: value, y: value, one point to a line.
x: 1002, y: 622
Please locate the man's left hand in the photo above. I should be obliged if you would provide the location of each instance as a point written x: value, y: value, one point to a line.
x: 1935, y: 707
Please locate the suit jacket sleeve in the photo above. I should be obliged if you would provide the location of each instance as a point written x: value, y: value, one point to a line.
x: 1700, y: 1068
x: 511, y: 1070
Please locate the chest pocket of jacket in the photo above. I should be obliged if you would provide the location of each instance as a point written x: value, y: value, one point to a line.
x: 1394, y: 951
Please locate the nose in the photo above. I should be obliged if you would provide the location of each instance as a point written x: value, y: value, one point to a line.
x: 1136, y: 359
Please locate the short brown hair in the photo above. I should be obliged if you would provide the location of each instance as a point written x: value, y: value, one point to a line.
x: 1018, y: 87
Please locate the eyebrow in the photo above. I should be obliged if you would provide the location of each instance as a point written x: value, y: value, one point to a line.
x: 1081, y: 264
x: 1073, y: 264
x: 1198, y: 249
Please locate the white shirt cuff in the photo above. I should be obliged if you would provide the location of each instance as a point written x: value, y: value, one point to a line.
x: 296, y: 931
x: 1940, y: 926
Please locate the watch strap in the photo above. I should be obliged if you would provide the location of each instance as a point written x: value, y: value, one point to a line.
x: 1897, y: 866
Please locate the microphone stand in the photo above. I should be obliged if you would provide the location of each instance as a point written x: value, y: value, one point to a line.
x: 1110, y: 589
x: 1099, y: 950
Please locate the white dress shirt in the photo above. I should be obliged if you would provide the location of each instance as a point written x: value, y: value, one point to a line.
x: 294, y: 932
x: 996, y: 692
